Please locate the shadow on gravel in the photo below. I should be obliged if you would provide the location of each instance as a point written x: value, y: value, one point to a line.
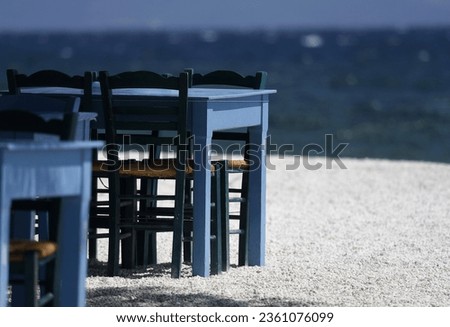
x: 166, y: 296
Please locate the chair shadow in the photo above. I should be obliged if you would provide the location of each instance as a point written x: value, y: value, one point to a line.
x: 99, y: 269
x: 166, y: 296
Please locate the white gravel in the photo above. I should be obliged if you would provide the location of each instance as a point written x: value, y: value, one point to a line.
x: 374, y: 234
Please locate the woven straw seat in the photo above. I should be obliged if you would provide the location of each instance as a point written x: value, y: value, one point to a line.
x: 239, y: 164
x: 26, y: 260
x: 18, y: 249
x: 156, y: 168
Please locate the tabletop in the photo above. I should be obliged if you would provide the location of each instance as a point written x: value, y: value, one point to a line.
x: 195, y: 94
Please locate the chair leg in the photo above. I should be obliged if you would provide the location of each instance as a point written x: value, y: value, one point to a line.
x: 146, y: 242
x: 27, y: 275
x: 114, y: 230
x: 187, y: 246
x: 146, y: 251
x: 225, y: 221
x: 177, y: 242
x: 216, y: 225
x: 92, y: 244
x: 243, y: 222
x: 113, y: 251
x: 48, y: 284
x: 129, y: 243
x: 31, y: 279
x: 177, y: 247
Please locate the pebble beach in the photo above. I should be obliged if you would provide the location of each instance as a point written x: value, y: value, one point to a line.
x: 374, y: 233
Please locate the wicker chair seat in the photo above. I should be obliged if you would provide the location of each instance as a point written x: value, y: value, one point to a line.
x: 18, y: 249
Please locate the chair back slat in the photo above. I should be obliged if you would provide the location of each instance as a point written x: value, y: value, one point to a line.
x: 143, y: 79
x: 139, y: 108
x: 143, y: 120
x: 229, y: 78
x: 40, y: 114
x: 122, y: 137
x: 134, y: 126
x: 18, y: 82
x: 20, y: 121
x: 232, y: 79
x: 40, y: 104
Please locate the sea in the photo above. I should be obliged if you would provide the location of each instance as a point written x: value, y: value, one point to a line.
x: 383, y: 93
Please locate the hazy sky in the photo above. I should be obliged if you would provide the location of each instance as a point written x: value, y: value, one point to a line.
x: 182, y: 14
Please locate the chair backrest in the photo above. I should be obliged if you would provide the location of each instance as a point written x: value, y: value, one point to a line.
x: 46, y: 109
x: 20, y: 121
x: 40, y: 104
x: 232, y: 79
x: 52, y: 78
x: 138, y: 121
x: 228, y: 78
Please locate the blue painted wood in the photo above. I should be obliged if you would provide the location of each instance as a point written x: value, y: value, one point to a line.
x: 202, y: 189
x: 85, y: 120
x: 195, y: 94
x: 23, y: 222
x: 50, y: 169
x: 208, y: 113
x: 257, y: 189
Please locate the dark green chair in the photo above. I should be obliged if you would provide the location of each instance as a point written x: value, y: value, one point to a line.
x: 227, y: 78
x: 19, y: 82
x: 145, y: 125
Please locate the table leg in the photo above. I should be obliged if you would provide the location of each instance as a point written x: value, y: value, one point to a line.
x: 71, y: 265
x: 257, y: 192
x: 202, y: 204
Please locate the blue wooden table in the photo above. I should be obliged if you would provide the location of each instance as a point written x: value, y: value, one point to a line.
x: 50, y: 169
x: 210, y: 110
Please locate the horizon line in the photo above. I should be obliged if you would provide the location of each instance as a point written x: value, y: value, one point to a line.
x: 249, y: 29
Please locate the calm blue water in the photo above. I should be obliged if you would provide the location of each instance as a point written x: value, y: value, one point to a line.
x: 385, y: 92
